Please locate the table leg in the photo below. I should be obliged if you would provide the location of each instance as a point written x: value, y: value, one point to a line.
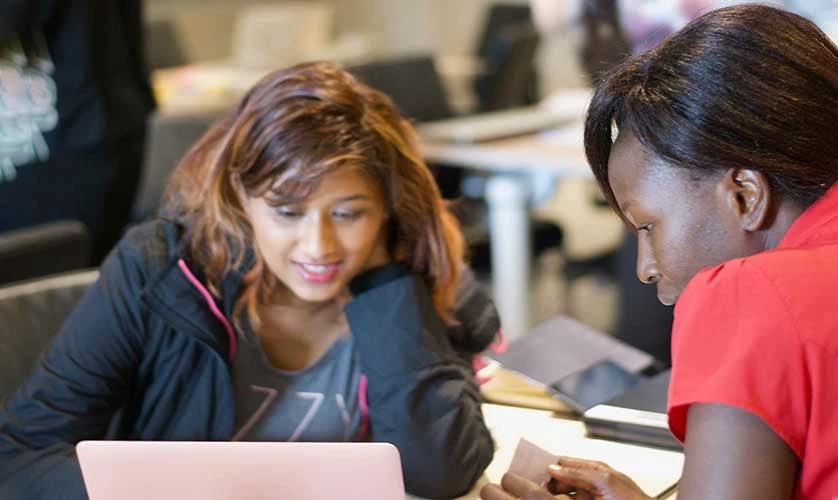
x: 507, y: 198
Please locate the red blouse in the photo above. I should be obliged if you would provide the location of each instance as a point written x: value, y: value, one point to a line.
x: 761, y: 334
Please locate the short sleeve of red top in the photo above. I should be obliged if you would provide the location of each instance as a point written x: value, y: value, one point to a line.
x: 761, y: 334
x: 734, y: 343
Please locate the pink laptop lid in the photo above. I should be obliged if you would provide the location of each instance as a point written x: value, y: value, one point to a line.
x: 164, y: 470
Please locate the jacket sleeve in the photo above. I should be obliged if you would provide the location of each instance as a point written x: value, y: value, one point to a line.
x: 79, y: 382
x: 422, y: 396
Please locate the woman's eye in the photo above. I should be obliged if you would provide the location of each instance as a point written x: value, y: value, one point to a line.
x: 289, y: 213
x: 347, y: 214
x: 645, y: 227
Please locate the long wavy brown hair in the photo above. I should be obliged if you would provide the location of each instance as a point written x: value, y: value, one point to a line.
x: 294, y: 127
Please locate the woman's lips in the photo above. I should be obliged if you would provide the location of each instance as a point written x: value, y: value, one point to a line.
x: 317, y: 273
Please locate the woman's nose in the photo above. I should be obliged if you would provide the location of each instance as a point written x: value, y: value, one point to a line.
x: 318, y: 240
x: 647, y: 265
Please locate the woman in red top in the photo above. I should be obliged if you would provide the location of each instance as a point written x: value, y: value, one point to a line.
x: 724, y: 163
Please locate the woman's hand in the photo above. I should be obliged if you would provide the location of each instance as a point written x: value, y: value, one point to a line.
x: 594, y: 480
x: 513, y: 486
x: 585, y: 479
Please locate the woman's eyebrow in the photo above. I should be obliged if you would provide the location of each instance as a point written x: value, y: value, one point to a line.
x: 353, y: 197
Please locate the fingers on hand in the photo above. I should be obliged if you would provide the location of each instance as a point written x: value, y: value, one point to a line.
x: 579, y: 463
x: 556, y: 487
x: 524, y: 488
x: 594, y: 481
x: 494, y: 492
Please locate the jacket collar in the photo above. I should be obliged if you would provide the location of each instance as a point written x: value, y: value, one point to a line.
x: 177, y: 294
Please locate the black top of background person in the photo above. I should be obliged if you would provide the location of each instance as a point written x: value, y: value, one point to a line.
x: 96, y: 47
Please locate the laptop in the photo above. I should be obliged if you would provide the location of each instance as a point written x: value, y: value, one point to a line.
x: 638, y: 415
x: 593, y: 385
x: 170, y: 470
x: 575, y: 364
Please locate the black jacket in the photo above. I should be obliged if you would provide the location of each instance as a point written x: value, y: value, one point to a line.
x: 142, y: 357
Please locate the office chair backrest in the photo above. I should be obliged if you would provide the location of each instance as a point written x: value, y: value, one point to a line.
x: 510, y: 76
x: 415, y: 88
x: 31, y: 313
x: 170, y: 136
x: 45, y: 249
x: 411, y: 82
x: 498, y: 17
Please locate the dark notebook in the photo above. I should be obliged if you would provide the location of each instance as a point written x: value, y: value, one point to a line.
x: 554, y: 352
x: 638, y: 415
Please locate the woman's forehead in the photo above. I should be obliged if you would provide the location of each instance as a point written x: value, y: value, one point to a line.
x: 639, y: 177
x: 628, y: 163
x: 337, y: 183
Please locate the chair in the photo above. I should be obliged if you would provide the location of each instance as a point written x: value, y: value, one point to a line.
x: 499, y: 16
x: 509, y: 79
x: 170, y: 136
x: 44, y: 249
x: 31, y: 313
x: 414, y: 86
x: 508, y: 48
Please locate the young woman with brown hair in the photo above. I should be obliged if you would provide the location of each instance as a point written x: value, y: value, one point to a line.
x: 305, y: 283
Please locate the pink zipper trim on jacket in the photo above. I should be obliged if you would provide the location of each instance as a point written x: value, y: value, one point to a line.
x: 231, y: 335
x: 365, y: 409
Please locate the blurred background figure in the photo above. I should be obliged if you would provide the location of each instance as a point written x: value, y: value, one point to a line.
x: 615, y: 28
x: 74, y: 98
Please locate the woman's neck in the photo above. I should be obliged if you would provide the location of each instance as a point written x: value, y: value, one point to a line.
x: 294, y: 333
x: 787, y: 214
x: 296, y: 306
x: 286, y: 316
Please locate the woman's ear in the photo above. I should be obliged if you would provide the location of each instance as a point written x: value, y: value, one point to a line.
x: 748, y: 193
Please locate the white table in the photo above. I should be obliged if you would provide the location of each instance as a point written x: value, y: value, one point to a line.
x: 655, y: 470
x: 518, y: 167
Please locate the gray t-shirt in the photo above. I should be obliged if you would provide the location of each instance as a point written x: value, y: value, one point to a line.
x: 319, y: 403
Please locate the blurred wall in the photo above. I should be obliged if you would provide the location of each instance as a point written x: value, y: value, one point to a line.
x: 204, y: 27
x: 395, y: 27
